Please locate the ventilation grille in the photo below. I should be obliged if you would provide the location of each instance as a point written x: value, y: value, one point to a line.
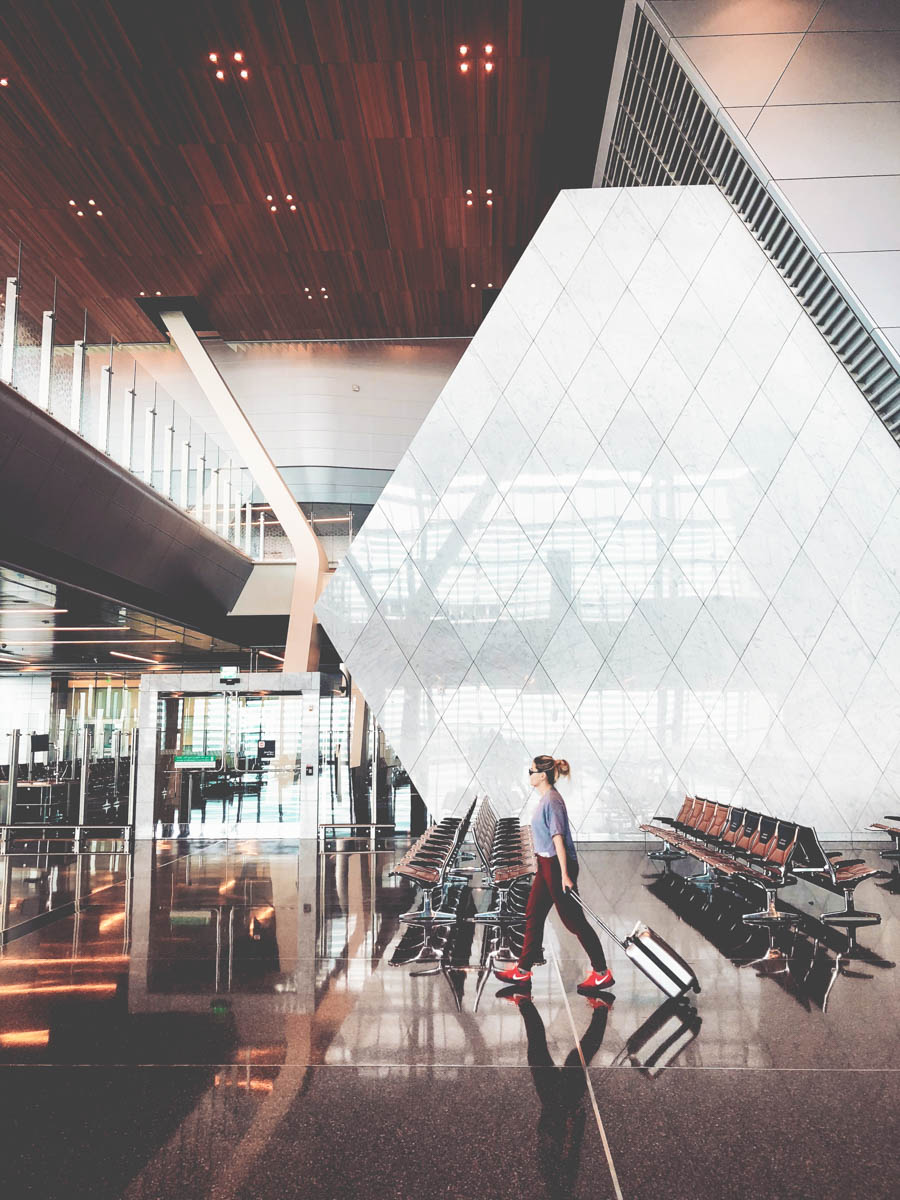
x: 664, y: 133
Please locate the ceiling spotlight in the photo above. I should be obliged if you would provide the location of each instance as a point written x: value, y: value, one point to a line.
x: 469, y: 203
x: 270, y: 198
x: 490, y: 285
x: 220, y: 74
x: 143, y: 293
x: 72, y: 203
x: 273, y: 208
x: 306, y: 289
x: 464, y: 50
x: 489, y: 49
x: 99, y: 212
x: 213, y: 58
x: 159, y: 293
x: 472, y: 285
x: 321, y: 289
x: 4, y: 82
x: 489, y: 203
x: 325, y: 297
x: 245, y: 74
x: 238, y: 56
x: 489, y: 191
x: 464, y: 66
x: 468, y: 191
x: 289, y: 196
x: 92, y: 202
x: 489, y: 66
x: 79, y: 213
x: 293, y: 208
x: 309, y: 297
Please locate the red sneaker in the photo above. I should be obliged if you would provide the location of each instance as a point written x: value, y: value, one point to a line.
x: 513, y: 975
x: 597, y: 981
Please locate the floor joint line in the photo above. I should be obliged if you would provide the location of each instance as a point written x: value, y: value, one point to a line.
x: 590, y: 1087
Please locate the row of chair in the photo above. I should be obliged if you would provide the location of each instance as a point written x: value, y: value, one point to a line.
x: 762, y: 851
x: 889, y: 825
x: 506, y: 850
x: 428, y: 863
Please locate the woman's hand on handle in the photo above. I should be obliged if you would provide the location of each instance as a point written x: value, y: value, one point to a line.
x: 567, y: 883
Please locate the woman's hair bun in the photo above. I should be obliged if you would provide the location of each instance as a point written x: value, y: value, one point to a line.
x: 563, y: 770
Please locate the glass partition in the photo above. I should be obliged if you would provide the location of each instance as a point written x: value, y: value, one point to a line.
x: 230, y: 764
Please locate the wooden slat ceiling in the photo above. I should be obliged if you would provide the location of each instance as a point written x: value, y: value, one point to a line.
x: 357, y: 108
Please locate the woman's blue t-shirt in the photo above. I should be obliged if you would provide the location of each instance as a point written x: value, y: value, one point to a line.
x: 551, y: 818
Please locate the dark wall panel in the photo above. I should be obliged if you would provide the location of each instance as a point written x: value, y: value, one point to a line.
x: 70, y: 513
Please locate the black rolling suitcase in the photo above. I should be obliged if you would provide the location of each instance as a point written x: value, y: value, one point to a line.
x: 660, y: 963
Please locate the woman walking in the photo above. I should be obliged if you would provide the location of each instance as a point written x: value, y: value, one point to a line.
x: 555, y: 877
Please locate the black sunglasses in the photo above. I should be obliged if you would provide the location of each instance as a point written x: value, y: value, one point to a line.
x: 535, y: 771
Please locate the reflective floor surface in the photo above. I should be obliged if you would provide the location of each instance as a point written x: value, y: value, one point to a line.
x: 250, y: 1019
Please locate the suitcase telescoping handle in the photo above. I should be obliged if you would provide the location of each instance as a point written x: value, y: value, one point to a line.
x: 594, y: 917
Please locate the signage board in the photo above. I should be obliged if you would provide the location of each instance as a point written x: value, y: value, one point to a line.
x: 196, y: 760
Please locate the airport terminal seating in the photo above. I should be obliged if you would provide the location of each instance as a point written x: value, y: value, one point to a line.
x: 765, y: 852
x: 428, y: 864
x: 890, y: 825
x: 506, y: 851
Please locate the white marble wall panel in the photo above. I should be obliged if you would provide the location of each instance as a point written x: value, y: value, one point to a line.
x: 651, y: 525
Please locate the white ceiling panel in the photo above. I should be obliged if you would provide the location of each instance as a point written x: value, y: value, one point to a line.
x: 840, y: 68
x: 741, y: 70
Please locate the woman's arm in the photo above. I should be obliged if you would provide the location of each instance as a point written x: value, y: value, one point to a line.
x: 559, y: 844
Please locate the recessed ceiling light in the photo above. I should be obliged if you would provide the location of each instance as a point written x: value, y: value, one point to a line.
x: 469, y: 203
x: 289, y: 196
x: 463, y: 66
x: 99, y: 212
x: 159, y: 293
x: 134, y: 657
x: 72, y: 203
x: 489, y: 191
x: 306, y: 289
x: 472, y: 285
x: 325, y: 297
x: 43, y: 611
x: 4, y: 82
x: 220, y: 74
x: 464, y: 50
x: 489, y: 49
x: 468, y: 191
x: 92, y: 202
x: 489, y: 66
x: 213, y: 58
x: 79, y: 213
x: 321, y: 289
x: 245, y: 74
x: 270, y: 198
x: 143, y: 293
x: 489, y: 203
x: 238, y: 56
x: 273, y: 208
x: 293, y: 208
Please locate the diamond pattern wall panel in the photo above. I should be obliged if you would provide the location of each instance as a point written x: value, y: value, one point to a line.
x: 650, y: 525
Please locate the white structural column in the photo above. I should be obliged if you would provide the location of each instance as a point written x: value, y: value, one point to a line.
x: 312, y: 565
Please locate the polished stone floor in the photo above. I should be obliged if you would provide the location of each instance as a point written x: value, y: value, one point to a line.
x: 248, y: 1020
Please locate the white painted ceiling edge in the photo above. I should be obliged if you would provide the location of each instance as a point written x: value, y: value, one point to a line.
x: 337, y: 404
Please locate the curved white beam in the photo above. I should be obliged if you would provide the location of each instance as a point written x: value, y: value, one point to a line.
x: 312, y: 565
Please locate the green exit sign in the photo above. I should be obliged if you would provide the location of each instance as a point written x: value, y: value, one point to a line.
x: 196, y: 760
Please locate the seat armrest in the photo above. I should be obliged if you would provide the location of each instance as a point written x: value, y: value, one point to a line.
x: 665, y: 820
x: 848, y: 862
x: 888, y: 817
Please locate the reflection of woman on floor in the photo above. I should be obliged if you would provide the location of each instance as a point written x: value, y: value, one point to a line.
x: 561, y: 1091
x: 555, y: 877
